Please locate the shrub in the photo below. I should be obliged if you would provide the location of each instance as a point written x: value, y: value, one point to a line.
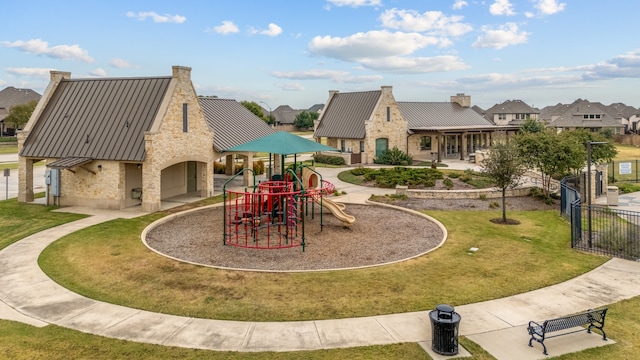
x: 494, y: 205
x: 448, y: 183
x: 258, y: 167
x: 393, y: 157
x: 219, y: 168
x: 626, y: 188
x: 454, y: 175
x: 327, y: 159
x: 359, y: 171
x: 483, y: 197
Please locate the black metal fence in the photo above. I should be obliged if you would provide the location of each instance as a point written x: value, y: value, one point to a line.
x: 600, y: 229
x: 624, y: 171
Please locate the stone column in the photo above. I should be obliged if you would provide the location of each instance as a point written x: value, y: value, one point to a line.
x: 151, y: 189
x: 229, y: 165
x: 25, y: 180
x: 247, y: 176
x: 463, y: 148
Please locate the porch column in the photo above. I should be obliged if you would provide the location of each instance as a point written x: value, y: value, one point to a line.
x: 25, y: 180
x: 439, y: 148
x: 228, y: 162
x: 463, y: 149
x: 151, y: 188
x: 247, y: 175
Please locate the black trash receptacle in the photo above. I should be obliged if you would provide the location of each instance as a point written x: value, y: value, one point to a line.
x: 444, y: 330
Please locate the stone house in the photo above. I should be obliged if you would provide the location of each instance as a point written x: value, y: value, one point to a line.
x: 364, y: 124
x: 9, y: 97
x: 119, y: 142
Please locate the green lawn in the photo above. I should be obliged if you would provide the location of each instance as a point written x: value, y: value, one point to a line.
x: 9, y: 149
x: 21, y: 220
x: 123, y: 271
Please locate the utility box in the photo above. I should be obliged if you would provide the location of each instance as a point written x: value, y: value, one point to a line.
x: 612, y: 195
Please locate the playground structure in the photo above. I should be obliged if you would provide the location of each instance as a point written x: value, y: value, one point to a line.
x: 271, y: 214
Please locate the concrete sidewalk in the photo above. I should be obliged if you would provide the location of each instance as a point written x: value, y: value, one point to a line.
x: 499, y: 326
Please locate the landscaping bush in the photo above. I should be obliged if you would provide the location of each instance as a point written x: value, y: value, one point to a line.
x: 448, y: 183
x: 258, y: 167
x: 411, y: 177
x: 219, y: 168
x: 394, y: 157
x: 626, y: 188
x: 359, y: 171
x: 327, y: 159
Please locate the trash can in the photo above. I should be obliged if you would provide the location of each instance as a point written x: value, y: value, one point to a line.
x: 444, y: 330
x: 612, y: 195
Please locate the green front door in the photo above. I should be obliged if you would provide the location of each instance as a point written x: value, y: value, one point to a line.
x: 381, y: 145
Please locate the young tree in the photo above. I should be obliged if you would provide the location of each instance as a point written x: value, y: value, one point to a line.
x: 305, y: 119
x: 549, y: 153
x: 19, y: 114
x: 505, y: 167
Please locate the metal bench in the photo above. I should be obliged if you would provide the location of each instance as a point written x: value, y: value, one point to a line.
x: 593, y: 318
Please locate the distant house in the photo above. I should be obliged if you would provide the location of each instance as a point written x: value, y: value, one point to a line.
x: 119, y: 142
x: 583, y: 114
x: 629, y: 115
x: 367, y: 123
x: 511, y: 112
x: 10, y: 97
x: 285, y: 115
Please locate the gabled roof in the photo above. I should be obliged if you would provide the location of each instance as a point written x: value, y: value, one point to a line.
x: 625, y: 111
x: 345, y: 114
x: 232, y: 123
x: 316, y: 108
x: 97, y: 118
x: 285, y: 114
x: 11, y: 96
x: 510, y: 107
x: 441, y: 116
x: 574, y: 115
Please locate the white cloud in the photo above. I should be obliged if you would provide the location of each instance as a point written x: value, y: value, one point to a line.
x: 550, y: 7
x: 99, y: 72
x: 335, y: 76
x: 459, y: 4
x: 157, y: 18
x: 227, y: 27
x: 372, y: 44
x: 35, y: 72
x: 310, y: 74
x: 505, y: 35
x: 291, y: 87
x: 273, y: 30
x: 40, y: 47
x: 355, y: 3
x: 121, y: 64
x: 433, y: 22
x: 501, y: 7
x: 415, y: 65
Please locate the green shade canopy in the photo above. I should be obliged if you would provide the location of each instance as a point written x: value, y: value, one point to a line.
x: 282, y: 143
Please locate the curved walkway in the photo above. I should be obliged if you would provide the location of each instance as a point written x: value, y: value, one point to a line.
x: 28, y: 295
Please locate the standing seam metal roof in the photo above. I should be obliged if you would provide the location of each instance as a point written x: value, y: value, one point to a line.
x: 97, y: 118
x: 232, y: 123
x: 346, y: 113
x: 440, y: 116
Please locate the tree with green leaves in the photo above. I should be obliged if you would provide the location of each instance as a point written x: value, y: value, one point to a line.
x: 19, y: 114
x: 505, y: 167
x: 305, y: 119
x: 531, y: 126
x: 552, y: 154
x: 255, y: 109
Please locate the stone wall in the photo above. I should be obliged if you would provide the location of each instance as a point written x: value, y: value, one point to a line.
x: 167, y: 144
x: 394, y: 130
x: 459, y: 194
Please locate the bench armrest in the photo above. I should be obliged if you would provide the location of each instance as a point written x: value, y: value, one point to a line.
x: 532, y: 326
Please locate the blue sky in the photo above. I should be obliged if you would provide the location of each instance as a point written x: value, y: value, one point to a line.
x: 293, y: 52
